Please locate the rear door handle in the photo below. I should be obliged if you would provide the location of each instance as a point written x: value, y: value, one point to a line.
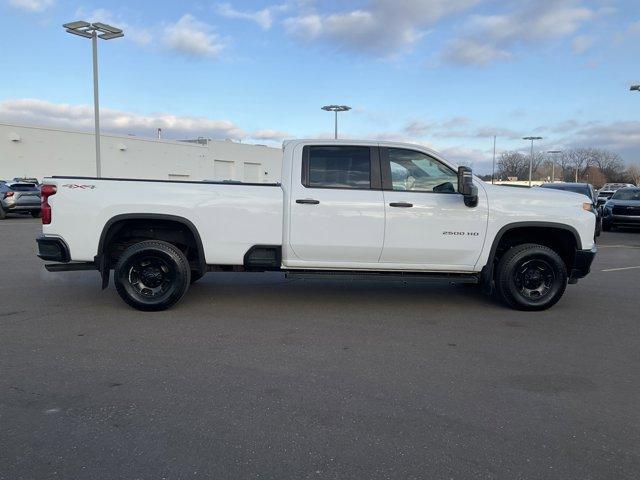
x: 308, y: 201
x: 401, y: 204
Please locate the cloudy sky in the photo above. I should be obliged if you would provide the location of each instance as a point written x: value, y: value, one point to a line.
x: 446, y: 73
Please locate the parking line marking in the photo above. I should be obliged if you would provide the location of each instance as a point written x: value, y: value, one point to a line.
x: 618, y: 246
x: 618, y: 269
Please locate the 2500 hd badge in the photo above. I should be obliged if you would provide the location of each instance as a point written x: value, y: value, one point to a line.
x: 462, y: 234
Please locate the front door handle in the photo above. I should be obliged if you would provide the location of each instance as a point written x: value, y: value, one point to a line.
x: 401, y: 204
x: 308, y: 201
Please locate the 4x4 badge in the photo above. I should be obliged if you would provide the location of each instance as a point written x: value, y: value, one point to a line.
x: 77, y: 185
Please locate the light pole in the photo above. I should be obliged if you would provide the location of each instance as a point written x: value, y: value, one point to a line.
x: 336, y: 109
x: 95, y: 31
x: 553, y: 163
x: 531, y: 158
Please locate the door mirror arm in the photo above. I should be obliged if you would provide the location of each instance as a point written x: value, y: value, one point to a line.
x: 466, y: 187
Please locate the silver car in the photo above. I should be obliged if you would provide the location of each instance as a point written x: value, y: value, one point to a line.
x: 19, y: 197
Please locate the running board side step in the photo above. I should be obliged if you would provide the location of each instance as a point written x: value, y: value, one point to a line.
x: 473, y: 278
x: 70, y: 267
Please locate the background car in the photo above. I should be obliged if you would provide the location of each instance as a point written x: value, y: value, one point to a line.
x: 19, y: 198
x: 585, y: 189
x: 607, y: 191
x: 622, y: 209
x: 26, y: 180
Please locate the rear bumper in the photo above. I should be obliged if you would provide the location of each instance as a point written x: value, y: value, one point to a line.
x: 21, y: 207
x: 582, y: 264
x: 53, y: 249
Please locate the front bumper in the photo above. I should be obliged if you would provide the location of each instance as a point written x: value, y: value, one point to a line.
x: 582, y: 264
x: 53, y: 249
x: 622, y: 220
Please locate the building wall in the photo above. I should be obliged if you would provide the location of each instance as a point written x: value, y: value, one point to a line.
x: 29, y: 151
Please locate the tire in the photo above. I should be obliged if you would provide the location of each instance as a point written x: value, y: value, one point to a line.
x: 531, y: 277
x: 163, y: 267
x: 195, y: 276
x: 598, y: 226
x: 3, y: 215
x: 36, y: 214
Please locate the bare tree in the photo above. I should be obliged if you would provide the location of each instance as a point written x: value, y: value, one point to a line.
x: 594, y: 176
x: 633, y: 174
x: 594, y: 165
x: 512, y: 164
x: 579, y: 160
x: 609, y: 163
x: 563, y: 161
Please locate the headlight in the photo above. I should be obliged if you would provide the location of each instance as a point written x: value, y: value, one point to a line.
x: 588, y: 207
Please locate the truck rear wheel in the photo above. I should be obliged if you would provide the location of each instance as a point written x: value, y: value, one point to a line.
x: 531, y: 277
x: 152, y: 275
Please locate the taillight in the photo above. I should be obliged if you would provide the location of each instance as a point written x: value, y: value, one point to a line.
x: 45, y: 209
x: 8, y: 194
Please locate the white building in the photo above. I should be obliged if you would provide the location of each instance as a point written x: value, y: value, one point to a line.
x: 29, y: 151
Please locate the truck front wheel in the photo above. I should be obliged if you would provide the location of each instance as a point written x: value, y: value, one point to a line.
x: 531, y: 277
x: 152, y: 275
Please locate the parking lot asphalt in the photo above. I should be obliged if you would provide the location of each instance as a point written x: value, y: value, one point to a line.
x: 256, y: 376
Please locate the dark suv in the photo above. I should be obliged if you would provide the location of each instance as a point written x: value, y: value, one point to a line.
x: 19, y: 198
x: 622, y: 209
x: 585, y: 189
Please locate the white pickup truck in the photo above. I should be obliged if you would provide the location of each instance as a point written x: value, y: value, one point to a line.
x: 344, y: 209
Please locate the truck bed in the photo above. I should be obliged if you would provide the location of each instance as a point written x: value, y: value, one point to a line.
x: 230, y: 217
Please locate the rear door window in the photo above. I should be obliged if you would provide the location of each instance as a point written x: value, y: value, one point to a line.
x: 337, y: 167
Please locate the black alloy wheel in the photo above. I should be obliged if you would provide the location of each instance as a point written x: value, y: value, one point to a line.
x: 152, y: 275
x: 531, y: 277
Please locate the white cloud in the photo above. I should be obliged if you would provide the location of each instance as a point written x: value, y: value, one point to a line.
x: 270, y: 134
x: 32, y: 5
x: 193, y: 38
x: 264, y: 17
x: 478, y: 159
x: 381, y: 27
x: 456, y: 127
x: 80, y: 117
x: 581, y: 44
x: 472, y: 52
x: 418, y: 128
x: 306, y: 27
x: 489, y: 38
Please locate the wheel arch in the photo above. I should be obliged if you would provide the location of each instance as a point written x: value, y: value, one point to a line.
x: 541, y: 228
x: 116, y: 224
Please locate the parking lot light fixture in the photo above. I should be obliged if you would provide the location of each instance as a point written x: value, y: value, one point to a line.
x: 94, y: 31
x: 336, y: 109
x: 635, y: 88
x: 531, y: 158
x: 553, y: 163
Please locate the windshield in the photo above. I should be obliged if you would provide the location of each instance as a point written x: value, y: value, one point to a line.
x: 627, y: 194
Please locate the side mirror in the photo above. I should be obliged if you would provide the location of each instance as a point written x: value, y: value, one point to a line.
x: 466, y: 187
